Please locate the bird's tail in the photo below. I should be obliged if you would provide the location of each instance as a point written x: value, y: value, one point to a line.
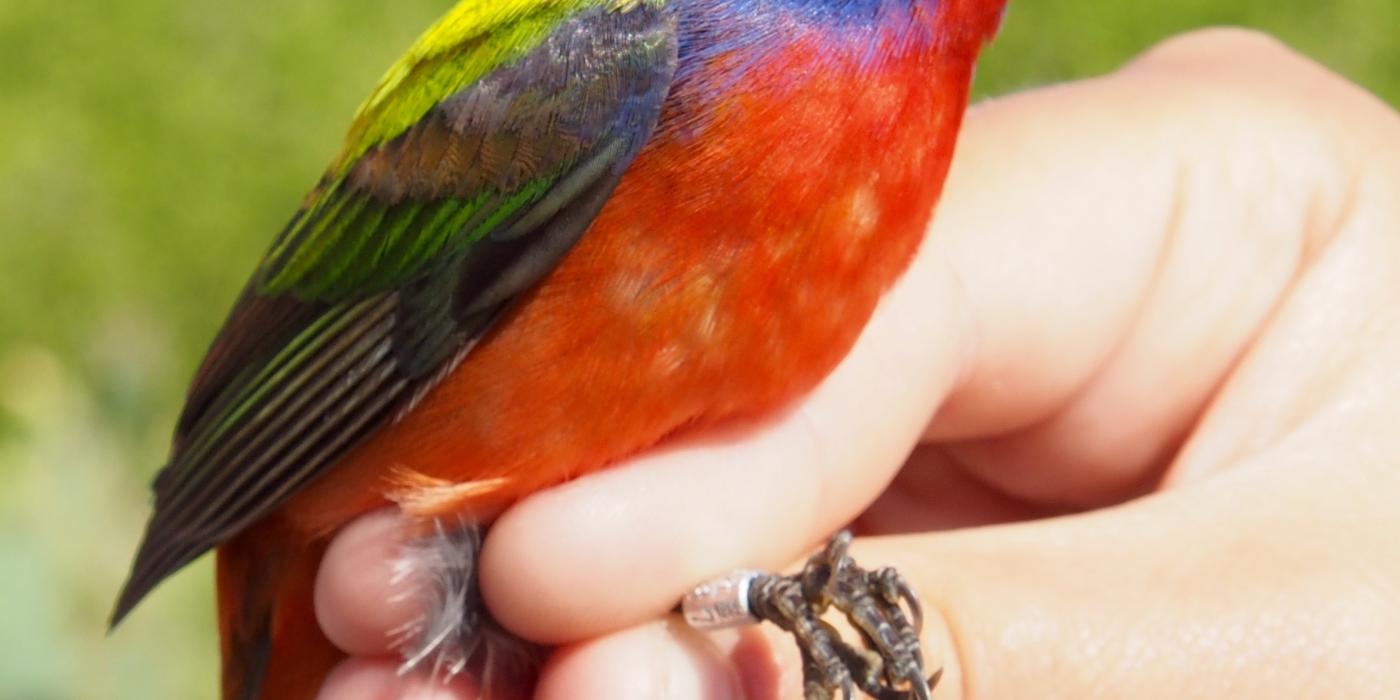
x: 272, y: 646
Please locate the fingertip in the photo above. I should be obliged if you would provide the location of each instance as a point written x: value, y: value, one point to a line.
x: 360, y: 679
x: 379, y: 679
x: 659, y: 660
x: 617, y: 548
x: 551, y: 567
x: 359, y: 599
x: 1212, y: 49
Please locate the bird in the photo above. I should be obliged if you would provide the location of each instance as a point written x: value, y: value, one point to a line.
x: 558, y: 233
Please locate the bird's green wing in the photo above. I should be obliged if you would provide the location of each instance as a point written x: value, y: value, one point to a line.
x: 469, y: 172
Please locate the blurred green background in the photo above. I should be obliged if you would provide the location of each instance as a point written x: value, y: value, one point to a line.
x: 149, y: 149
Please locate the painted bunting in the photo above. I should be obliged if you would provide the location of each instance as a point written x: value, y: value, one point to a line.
x: 558, y: 232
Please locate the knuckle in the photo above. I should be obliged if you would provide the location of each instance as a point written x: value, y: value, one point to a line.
x: 1223, y: 46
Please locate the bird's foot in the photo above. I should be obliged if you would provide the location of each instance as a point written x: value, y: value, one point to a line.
x: 879, y: 604
x: 885, y: 612
x: 454, y: 633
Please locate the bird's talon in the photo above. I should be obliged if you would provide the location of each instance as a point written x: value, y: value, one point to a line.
x: 930, y: 684
x: 916, y: 611
x: 890, y: 664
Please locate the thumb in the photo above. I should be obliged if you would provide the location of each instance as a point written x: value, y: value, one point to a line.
x: 1216, y: 590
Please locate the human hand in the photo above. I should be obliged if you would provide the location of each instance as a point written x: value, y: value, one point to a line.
x: 1148, y: 363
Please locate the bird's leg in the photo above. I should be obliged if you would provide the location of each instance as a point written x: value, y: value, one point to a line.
x: 455, y: 633
x: 890, y: 664
x: 873, y: 602
x: 780, y: 600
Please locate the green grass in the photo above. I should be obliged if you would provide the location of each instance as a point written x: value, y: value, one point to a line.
x: 151, y: 148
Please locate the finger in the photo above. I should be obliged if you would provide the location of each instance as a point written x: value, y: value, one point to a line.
x: 360, y: 598
x: 933, y: 492
x: 1224, y: 588
x: 1204, y: 177
x: 378, y: 679
x: 1015, y: 314
x: 656, y: 660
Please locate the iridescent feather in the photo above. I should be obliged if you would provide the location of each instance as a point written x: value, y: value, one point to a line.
x: 476, y: 164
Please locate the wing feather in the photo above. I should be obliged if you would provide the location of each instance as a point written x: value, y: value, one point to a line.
x: 399, y: 261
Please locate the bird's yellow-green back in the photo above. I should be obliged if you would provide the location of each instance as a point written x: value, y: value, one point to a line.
x: 467, y: 42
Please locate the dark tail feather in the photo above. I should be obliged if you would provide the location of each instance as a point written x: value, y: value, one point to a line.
x: 272, y: 646
x: 156, y: 560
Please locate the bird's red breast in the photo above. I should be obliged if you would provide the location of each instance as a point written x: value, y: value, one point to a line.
x: 733, y: 267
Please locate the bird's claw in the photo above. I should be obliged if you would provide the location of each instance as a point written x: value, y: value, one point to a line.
x: 889, y: 664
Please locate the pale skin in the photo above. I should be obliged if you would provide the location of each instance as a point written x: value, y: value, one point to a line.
x: 1130, y: 425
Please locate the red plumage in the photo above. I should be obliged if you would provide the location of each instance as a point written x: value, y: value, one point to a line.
x: 733, y: 267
